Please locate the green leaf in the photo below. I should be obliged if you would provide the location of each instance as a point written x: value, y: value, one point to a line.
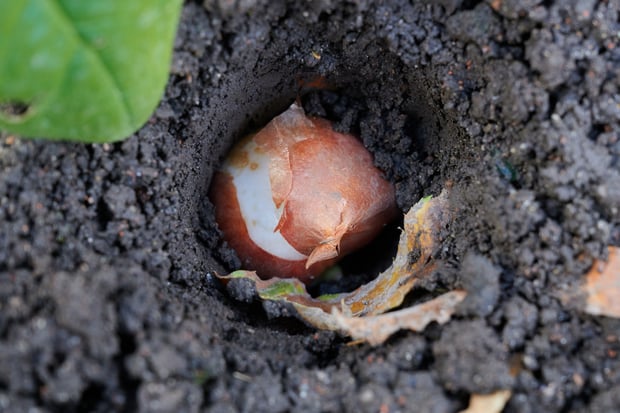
x: 90, y: 71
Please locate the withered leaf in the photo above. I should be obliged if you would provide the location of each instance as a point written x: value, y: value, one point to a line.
x: 602, y: 287
x: 422, y: 233
x: 488, y: 403
x: 378, y: 328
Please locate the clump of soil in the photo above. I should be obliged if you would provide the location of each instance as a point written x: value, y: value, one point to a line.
x: 107, y: 252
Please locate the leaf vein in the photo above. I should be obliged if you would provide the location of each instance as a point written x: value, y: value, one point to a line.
x: 101, y: 61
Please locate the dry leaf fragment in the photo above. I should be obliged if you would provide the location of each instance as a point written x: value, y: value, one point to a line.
x: 423, y: 234
x: 602, y: 286
x: 376, y: 329
x: 424, y: 227
x: 488, y: 403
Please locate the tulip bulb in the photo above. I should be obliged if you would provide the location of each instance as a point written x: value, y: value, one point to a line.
x: 295, y: 197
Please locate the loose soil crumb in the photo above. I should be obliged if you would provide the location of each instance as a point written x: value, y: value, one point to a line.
x: 107, y: 252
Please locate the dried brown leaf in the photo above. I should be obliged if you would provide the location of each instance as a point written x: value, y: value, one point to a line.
x: 421, y: 237
x: 378, y: 328
x: 602, y: 287
x: 488, y: 403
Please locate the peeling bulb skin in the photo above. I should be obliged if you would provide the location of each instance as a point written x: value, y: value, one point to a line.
x: 297, y: 196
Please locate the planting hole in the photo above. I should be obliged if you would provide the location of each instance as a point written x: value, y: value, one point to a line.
x: 414, y: 142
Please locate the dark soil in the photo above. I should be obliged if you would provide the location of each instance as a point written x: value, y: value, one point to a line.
x: 107, y: 252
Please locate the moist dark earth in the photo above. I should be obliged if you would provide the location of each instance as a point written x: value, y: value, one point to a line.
x: 108, y: 299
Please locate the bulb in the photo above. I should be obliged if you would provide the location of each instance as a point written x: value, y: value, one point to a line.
x: 297, y: 196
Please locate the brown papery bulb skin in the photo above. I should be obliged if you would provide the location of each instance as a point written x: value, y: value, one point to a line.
x: 297, y: 196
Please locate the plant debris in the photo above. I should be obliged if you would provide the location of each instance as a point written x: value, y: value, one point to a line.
x: 422, y: 234
x: 376, y: 329
x: 488, y: 403
x: 602, y: 287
